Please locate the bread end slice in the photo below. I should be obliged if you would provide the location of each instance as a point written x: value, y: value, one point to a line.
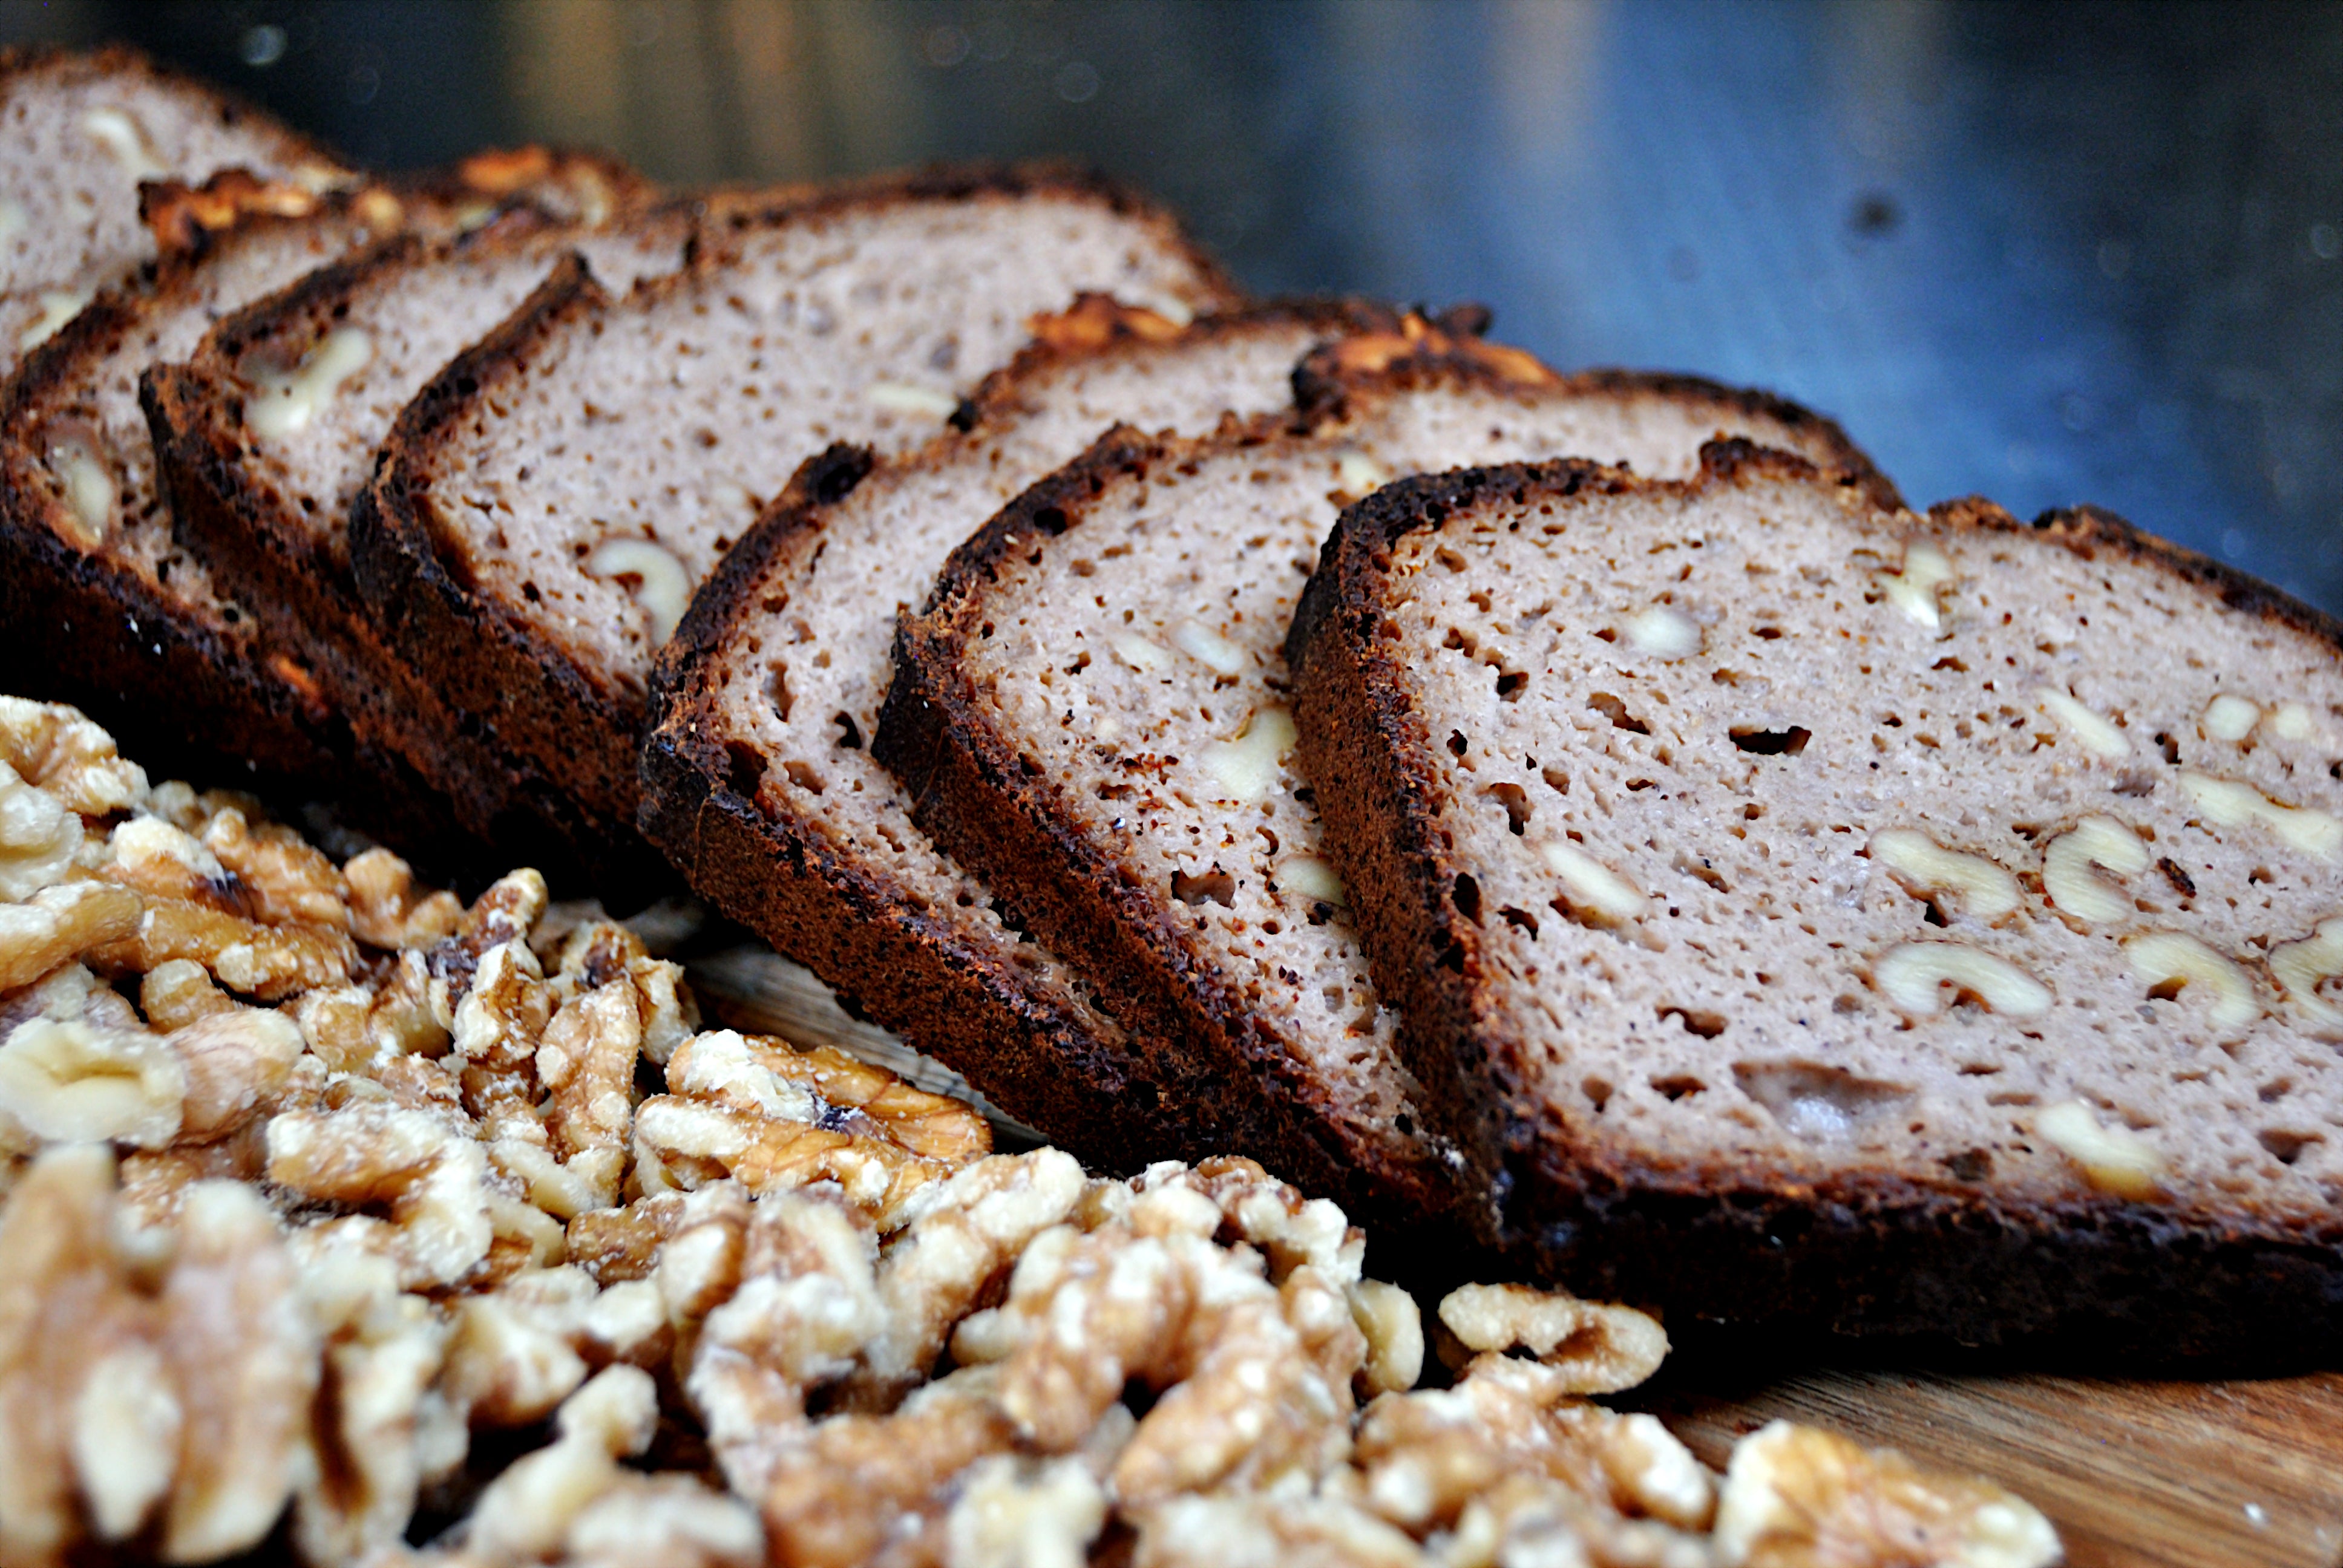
x: 1904, y: 1071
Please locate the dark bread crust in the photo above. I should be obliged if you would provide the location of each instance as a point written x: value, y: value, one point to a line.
x: 1054, y: 1066
x: 193, y: 686
x: 548, y: 712
x: 1116, y: 1099
x: 441, y: 730
x: 980, y: 799
x: 175, y: 681
x: 974, y: 793
x: 1421, y: 352
x: 513, y: 699
x: 1867, y: 1250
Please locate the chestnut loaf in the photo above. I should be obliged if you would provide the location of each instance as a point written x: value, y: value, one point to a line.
x: 1799, y: 908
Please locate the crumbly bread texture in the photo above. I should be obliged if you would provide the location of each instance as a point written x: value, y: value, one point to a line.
x: 757, y: 780
x: 78, y: 131
x: 1095, y: 714
x: 1906, y: 923
x: 268, y: 432
x: 544, y: 511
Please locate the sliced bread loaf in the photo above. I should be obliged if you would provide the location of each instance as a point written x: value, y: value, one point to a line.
x: 112, y: 613
x: 1093, y: 714
x: 99, y: 599
x: 269, y: 429
x: 758, y: 781
x: 1826, y: 913
x: 545, y: 509
x: 78, y: 131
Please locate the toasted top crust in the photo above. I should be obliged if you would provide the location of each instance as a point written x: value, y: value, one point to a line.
x: 1107, y: 651
x: 82, y: 130
x: 1809, y: 849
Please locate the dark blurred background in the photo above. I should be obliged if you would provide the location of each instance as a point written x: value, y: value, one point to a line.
x: 2050, y: 253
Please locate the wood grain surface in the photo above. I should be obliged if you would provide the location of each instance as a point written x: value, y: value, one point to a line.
x: 2146, y: 1474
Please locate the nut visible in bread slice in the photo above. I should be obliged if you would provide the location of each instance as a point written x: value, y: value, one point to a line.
x: 1958, y: 991
x: 665, y: 421
x: 98, y: 593
x: 79, y: 133
x: 1093, y: 713
x: 759, y: 782
x: 269, y: 431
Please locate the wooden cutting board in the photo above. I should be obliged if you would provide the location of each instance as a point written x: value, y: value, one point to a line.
x: 2173, y: 1474
x: 2188, y: 1474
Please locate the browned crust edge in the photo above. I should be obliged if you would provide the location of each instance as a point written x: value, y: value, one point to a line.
x: 1421, y: 352
x: 185, y: 689
x: 973, y: 792
x: 550, y: 738
x: 550, y: 715
x: 977, y: 797
x: 781, y: 876
x: 1868, y: 1251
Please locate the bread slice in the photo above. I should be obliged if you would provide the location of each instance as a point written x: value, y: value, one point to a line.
x: 1896, y: 923
x: 1093, y: 713
x: 99, y: 600
x: 269, y: 431
x: 78, y: 131
x: 545, y: 509
x: 758, y: 781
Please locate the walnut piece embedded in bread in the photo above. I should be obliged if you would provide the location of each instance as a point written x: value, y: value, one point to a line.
x: 758, y: 779
x: 545, y: 507
x: 1962, y: 907
x: 1093, y: 712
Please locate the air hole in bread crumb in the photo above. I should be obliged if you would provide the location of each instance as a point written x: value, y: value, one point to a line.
x: 1769, y: 632
x: 2286, y: 1148
x: 1598, y: 1091
x: 1519, y: 920
x: 1516, y: 802
x: 2169, y: 746
x: 744, y: 769
x: 1467, y: 896
x: 2275, y: 1091
x: 1612, y: 709
x: 1677, y: 1087
x: 850, y: 734
x: 1214, y: 886
x: 1556, y: 779
x: 1456, y: 743
x: 1510, y: 683
x: 1969, y: 1165
x: 803, y: 777
x: 1772, y: 742
x: 1707, y: 1025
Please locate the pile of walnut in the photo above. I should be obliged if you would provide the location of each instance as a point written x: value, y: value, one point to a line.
x: 338, y: 1216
